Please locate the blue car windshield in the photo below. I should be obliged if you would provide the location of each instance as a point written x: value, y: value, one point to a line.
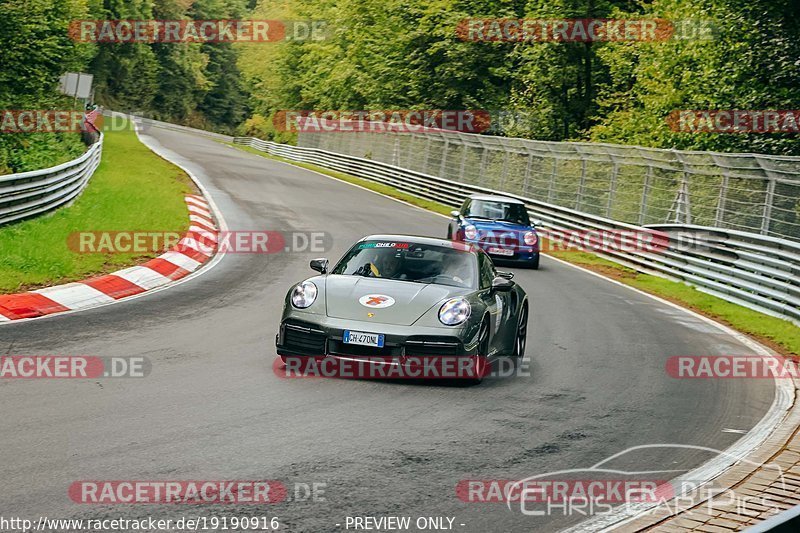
x: 497, y: 210
x: 413, y: 262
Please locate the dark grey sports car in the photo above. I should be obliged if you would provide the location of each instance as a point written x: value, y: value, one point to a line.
x: 395, y: 298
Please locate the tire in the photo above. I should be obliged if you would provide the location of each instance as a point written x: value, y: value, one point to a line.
x: 521, y: 337
x: 449, y: 233
x: 534, y: 265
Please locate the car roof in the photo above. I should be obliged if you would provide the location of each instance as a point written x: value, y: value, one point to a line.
x: 416, y: 239
x: 495, y: 198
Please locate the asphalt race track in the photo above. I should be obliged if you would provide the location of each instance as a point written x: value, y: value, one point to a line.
x: 212, y: 408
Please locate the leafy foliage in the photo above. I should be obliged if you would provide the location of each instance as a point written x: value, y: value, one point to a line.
x: 405, y: 54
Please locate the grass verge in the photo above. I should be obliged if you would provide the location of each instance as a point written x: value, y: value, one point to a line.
x: 133, y: 189
x: 781, y: 335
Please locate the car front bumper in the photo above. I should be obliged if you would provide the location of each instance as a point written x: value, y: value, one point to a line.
x: 314, y: 335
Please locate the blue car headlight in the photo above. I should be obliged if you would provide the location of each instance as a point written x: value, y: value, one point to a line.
x: 304, y: 294
x: 454, y: 312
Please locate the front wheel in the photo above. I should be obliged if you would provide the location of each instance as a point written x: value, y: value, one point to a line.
x: 534, y: 265
x: 449, y: 233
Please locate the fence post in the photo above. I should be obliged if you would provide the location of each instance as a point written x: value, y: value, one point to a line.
x: 463, y: 163
x: 442, y: 167
x: 396, y: 152
x: 354, y: 143
x: 645, y: 192
x: 484, y: 152
x: 581, y: 185
x: 527, y: 175
x: 768, y: 201
x: 683, y: 202
x: 428, y: 142
x: 504, y: 172
x: 552, y: 185
x: 719, y: 218
x: 612, y: 189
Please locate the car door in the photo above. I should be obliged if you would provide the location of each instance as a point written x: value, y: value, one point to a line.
x: 494, y: 302
x: 501, y: 308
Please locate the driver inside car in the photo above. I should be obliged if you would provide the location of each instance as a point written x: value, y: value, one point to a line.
x: 387, y: 265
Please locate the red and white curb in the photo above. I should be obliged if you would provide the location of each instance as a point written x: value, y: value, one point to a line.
x: 196, y: 247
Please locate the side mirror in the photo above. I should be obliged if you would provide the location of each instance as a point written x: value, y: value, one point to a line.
x: 455, y: 214
x: 506, y: 275
x: 536, y: 223
x: 501, y: 284
x: 320, y: 265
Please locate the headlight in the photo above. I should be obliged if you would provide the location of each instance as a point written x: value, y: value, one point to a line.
x: 454, y: 312
x: 531, y: 238
x: 304, y: 294
x: 470, y: 232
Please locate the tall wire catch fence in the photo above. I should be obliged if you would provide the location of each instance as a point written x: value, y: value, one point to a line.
x: 747, y: 192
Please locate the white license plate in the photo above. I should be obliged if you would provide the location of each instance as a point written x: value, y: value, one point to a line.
x: 500, y: 251
x: 363, y: 339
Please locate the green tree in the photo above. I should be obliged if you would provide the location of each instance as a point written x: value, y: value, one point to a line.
x: 750, y: 62
x: 36, y: 51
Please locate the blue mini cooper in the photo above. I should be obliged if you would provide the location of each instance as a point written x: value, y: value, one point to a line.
x: 500, y: 226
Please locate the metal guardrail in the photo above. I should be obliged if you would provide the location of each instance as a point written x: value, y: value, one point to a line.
x: 755, y: 193
x: 756, y: 271
x: 28, y: 194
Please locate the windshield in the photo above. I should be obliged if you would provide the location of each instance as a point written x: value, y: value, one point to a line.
x: 413, y: 262
x: 497, y: 210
